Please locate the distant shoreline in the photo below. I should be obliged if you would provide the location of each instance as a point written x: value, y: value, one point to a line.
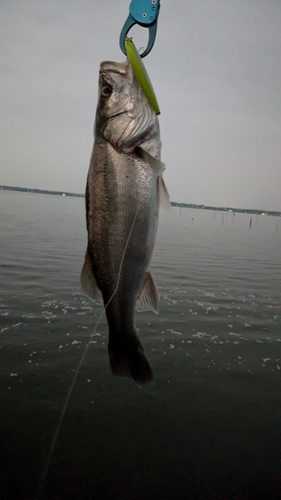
x: 174, y: 203
x: 40, y: 191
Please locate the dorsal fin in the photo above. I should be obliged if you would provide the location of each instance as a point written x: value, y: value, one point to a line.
x: 164, y: 194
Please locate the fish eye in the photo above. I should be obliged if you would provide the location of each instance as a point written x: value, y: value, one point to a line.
x: 106, y: 91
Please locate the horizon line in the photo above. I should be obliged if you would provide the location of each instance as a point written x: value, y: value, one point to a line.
x: 173, y: 203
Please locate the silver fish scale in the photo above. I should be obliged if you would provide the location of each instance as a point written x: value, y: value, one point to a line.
x: 122, y: 205
x: 122, y: 210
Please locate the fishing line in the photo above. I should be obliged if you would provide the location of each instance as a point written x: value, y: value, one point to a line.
x: 64, y: 408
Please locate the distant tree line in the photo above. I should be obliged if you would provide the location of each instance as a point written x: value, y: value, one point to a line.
x: 227, y: 209
x: 174, y: 203
x: 41, y: 191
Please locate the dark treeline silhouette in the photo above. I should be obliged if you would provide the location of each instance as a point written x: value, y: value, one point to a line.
x: 174, y: 203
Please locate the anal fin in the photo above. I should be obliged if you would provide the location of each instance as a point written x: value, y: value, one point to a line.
x: 88, y: 282
x: 148, y: 297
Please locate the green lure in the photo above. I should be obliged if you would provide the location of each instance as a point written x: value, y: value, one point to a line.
x: 141, y: 74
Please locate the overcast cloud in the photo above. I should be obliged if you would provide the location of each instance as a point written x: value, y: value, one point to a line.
x: 216, y: 70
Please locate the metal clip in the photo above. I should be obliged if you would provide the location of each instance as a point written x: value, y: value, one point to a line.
x: 145, y: 13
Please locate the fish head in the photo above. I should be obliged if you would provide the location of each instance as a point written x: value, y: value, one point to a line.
x: 124, y: 116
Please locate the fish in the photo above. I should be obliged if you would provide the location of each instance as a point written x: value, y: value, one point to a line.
x: 123, y: 193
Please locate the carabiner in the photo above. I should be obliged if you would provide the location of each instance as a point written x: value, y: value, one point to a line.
x: 145, y: 13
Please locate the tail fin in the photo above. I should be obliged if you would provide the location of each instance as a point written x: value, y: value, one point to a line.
x: 130, y: 361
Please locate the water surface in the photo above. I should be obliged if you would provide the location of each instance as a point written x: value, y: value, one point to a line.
x: 209, y: 426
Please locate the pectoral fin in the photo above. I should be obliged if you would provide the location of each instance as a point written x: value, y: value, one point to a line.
x: 88, y: 282
x: 148, y: 297
x: 157, y: 166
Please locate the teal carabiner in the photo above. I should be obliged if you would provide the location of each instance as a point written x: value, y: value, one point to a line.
x: 145, y: 13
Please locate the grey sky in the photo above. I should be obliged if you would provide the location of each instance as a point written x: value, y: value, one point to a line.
x: 216, y: 70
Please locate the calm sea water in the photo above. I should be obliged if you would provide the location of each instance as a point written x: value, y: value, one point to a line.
x: 210, y: 425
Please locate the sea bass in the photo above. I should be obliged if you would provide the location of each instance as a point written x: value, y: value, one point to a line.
x: 123, y: 191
